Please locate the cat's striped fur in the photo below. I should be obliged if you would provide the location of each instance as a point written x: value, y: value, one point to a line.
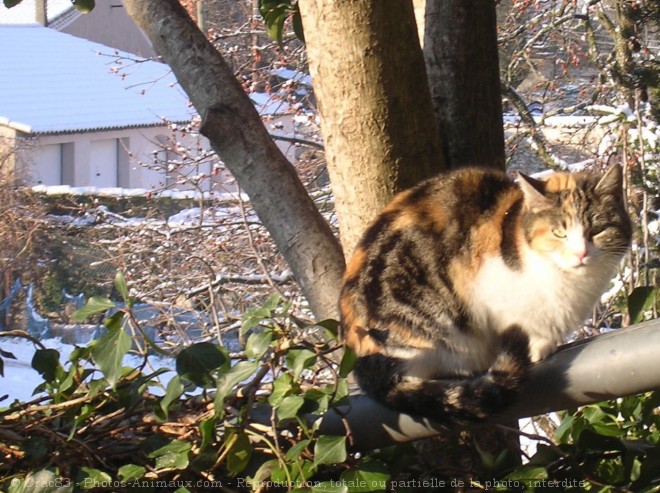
x: 463, y: 281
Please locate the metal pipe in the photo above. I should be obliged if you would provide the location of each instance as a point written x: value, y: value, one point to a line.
x: 616, y: 364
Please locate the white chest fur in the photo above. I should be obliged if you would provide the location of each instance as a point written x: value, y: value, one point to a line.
x: 545, y: 301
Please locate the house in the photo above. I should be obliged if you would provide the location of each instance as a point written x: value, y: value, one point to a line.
x: 107, y: 24
x: 74, y: 112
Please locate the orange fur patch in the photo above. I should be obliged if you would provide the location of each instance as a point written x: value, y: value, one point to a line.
x: 557, y: 182
x: 355, y: 264
x: 354, y: 333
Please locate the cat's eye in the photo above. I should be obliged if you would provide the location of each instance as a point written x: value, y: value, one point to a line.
x: 559, y: 232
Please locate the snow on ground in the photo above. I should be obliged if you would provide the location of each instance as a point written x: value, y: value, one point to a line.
x: 21, y: 379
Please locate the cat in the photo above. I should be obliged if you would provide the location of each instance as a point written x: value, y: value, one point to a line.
x: 464, y: 281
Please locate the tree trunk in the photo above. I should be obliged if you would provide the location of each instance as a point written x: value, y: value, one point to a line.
x: 460, y: 50
x: 378, y: 125
x: 237, y: 134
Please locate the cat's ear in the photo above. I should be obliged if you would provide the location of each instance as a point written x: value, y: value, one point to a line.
x: 532, y: 190
x: 611, y: 182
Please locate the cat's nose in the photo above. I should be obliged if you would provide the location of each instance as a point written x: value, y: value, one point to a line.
x: 580, y: 255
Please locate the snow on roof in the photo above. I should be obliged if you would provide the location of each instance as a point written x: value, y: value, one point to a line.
x: 24, y: 12
x: 294, y: 75
x: 57, y: 83
x: 268, y: 104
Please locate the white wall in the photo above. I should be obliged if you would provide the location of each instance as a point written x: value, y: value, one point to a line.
x: 123, y: 158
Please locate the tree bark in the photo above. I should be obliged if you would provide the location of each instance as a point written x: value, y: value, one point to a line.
x: 236, y: 132
x: 460, y: 50
x: 378, y: 125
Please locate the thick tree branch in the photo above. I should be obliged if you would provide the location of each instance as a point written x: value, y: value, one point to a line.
x: 234, y: 128
x: 613, y: 365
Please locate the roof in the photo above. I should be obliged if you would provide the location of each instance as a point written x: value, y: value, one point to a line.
x: 25, y: 12
x: 53, y: 82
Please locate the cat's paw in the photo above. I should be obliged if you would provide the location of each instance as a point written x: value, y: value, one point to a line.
x: 540, y: 349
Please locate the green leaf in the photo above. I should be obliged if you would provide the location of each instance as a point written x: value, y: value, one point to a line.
x: 228, y: 380
x: 131, y: 471
x: 258, y: 343
x: 640, y: 300
x: 207, y: 430
x: 94, y: 306
x: 330, y: 325
x: 11, y: 3
x: 529, y: 474
x: 46, y: 362
x: 122, y: 288
x: 299, y: 359
x: 563, y: 431
x: 329, y: 487
x: 93, y: 478
x: 282, y: 385
x: 369, y: 477
x: 109, y: 352
x: 240, y: 453
x: 297, y: 24
x: 347, y: 362
x: 197, y: 362
x: 114, y: 321
x: 84, y: 6
x: 289, y: 407
x: 168, y: 453
x: 330, y: 450
x: 253, y: 318
x: 173, y: 391
x: 272, y: 302
x: 296, y: 450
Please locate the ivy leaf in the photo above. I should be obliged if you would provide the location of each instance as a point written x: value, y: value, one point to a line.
x: 109, y: 352
x: 347, y: 362
x: 207, y: 430
x: 173, y: 391
x: 297, y: 24
x: 329, y: 450
x: 329, y: 487
x: 122, y: 288
x: 290, y: 406
x: 282, y: 385
x: 131, y: 471
x: 528, y: 474
x: 299, y: 359
x: 95, y: 476
x: 368, y: 477
x: 95, y: 305
x: 240, y: 453
x: 640, y: 300
x: 296, y: 450
x: 228, y: 380
x: 258, y: 343
x: 197, y: 362
x: 168, y: 453
x: 46, y: 362
x: 274, y: 21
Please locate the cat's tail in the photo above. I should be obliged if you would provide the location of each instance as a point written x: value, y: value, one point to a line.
x: 462, y: 399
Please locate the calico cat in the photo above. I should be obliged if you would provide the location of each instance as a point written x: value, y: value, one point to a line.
x: 466, y: 279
